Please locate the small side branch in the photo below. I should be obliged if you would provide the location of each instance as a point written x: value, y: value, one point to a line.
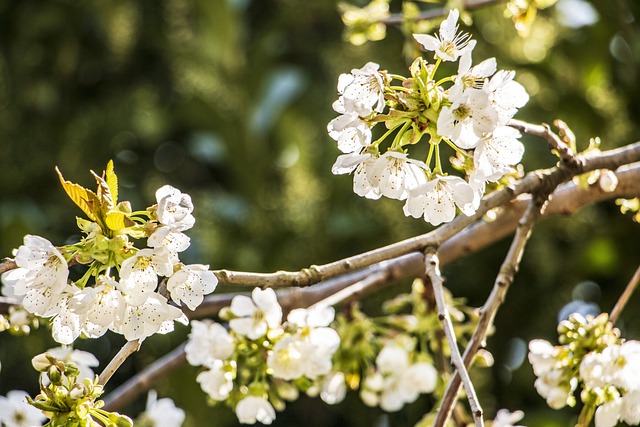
x: 567, y: 156
x: 433, y: 274
x: 505, y: 277
x: 142, y: 382
x: 626, y: 295
x: 127, y: 350
x: 398, y: 18
x: 7, y: 264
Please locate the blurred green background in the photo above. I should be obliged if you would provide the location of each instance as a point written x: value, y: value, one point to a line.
x: 228, y: 100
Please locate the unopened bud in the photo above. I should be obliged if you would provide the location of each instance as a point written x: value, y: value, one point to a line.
x: 77, y: 392
x: 608, y: 181
x: 71, y: 370
x: 41, y: 362
x: 54, y: 374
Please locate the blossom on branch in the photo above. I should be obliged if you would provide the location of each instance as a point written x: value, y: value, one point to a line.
x: 449, y: 44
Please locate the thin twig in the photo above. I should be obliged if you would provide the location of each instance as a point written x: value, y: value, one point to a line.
x: 398, y: 18
x: 567, y: 155
x: 433, y: 273
x: 142, y: 382
x: 354, y: 291
x: 7, y: 264
x: 127, y: 350
x: 566, y: 200
x: 624, y: 298
x: 505, y: 277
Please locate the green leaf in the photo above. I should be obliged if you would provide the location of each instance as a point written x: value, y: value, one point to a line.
x: 85, y: 199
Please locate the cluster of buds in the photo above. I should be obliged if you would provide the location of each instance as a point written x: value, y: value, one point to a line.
x: 469, y: 112
x: 260, y: 362
x: 67, y: 399
x: 592, y: 357
x: 257, y: 362
x: 136, y: 302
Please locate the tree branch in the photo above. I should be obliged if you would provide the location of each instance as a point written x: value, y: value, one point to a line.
x: 127, y: 350
x: 488, y: 312
x: 142, y: 382
x: 626, y: 295
x: 433, y: 274
x: 567, y: 156
x: 330, y: 293
x: 398, y: 18
x: 543, y: 180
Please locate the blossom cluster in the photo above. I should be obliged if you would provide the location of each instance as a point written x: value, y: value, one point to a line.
x: 67, y: 398
x: 396, y: 381
x: 469, y: 112
x: 135, y: 303
x: 260, y: 362
x: 255, y: 362
x: 594, y: 358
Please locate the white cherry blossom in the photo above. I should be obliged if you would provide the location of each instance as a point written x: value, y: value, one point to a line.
x: 65, y: 326
x: 257, y: 314
x: 395, y: 175
x: 317, y: 316
x: 190, y: 284
x: 506, y: 95
x: 98, y: 307
x: 174, y: 208
x: 153, y: 316
x: 334, y: 388
x: 254, y: 409
x: 350, y: 131
x: 471, y: 77
x: 437, y: 199
x: 449, y: 44
x: 362, y: 91
x: 15, y: 411
x: 216, y: 382
x: 506, y: 418
x: 607, y: 415
x: 139, y: 274
x: 208, y: 342
x: 288, y: 359
x: 468, y: 119
x: 41, y: 276
x: 361, y: 165
x: 496, y: 153
x: 162, y: 412
x: 174, y: 241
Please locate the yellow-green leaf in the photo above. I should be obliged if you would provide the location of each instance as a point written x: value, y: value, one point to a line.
x: 112, y: 181
x: 116, y: 220
x: 104, y: 193
x: 85, y: 199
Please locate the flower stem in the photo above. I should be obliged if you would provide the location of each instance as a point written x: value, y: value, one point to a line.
x: 432, y: 147
x: 456, y: 148
x: 398, y: 138
x: 386, y: 134
x: 438, y: 168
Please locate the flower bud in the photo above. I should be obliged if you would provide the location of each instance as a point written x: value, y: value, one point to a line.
x: 557, y: 398
x: 77, y: 392
x: 54, y: 374
x: 608, y: 181
x: 41, y: 362
x: 71, y: 370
